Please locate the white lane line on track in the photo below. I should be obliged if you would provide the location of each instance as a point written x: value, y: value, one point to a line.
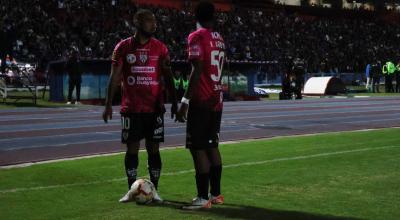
x: 223, y: 121
x: 330, y: 118
x: 223, y: 132
x: 228, y: 107
x: 102, y: 140
x: 192, y: 170
x: 352, y: 122
x: 249, y: 139
x: 225, y: 117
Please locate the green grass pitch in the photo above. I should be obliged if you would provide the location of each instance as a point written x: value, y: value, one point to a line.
x: 349, y: 175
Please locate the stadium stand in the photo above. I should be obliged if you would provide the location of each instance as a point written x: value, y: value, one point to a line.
x: 40, y: 31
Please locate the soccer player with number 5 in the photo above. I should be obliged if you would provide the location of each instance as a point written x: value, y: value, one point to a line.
x: 202, y: 105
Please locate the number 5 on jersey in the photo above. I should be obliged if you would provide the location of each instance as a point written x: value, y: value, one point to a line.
x: 217, y: 59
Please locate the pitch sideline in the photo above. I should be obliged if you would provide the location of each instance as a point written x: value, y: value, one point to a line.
x: 192, y: 170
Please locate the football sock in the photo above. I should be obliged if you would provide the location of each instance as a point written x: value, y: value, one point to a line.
x: 154, y: 166
x: 131, y: 164
x: 215, y: 180
x: 202, y: 181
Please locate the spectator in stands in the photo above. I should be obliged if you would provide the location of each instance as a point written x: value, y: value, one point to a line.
x: 45, y: 28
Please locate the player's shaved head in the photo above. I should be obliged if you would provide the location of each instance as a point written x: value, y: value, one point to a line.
x: 145, y: 22
x: 204, y: 12
x: 141, y: 15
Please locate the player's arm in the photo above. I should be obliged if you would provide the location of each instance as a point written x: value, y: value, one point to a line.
x: 113, y: 84
x: 194, y: 78
x: 169, y: 82
x: 196, y: 58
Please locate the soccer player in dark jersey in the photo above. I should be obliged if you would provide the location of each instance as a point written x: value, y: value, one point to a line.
x: 202, y: 104
x: 140, y: 63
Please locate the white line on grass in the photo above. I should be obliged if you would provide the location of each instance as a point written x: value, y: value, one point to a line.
x: 192, y: 170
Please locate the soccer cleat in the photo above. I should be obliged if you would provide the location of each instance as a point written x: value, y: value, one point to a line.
x: 218, y: 200
x: 198, y: 203
x: 68, y: 103
x: 77, y: 103
x: 157, y: 198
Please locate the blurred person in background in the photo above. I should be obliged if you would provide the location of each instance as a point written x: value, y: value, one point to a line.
x: 74, y: 70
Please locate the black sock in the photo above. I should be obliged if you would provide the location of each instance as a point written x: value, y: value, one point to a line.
x: 131, y: 164
x: 154, y: 165
x: 215, y: 180
x: 202, y: 180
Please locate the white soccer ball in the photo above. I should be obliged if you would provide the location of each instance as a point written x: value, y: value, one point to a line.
x: 143, y: 191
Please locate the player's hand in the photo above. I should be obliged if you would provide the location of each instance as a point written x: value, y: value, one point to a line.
x: 107, y: 114
x: 174, y: 110
x: 181, y: 116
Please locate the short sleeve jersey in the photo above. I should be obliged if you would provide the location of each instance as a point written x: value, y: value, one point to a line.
x: 208, y: 46
x: 142, y: 90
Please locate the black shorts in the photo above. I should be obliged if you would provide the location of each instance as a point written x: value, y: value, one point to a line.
x: 137, y: 126
x: 203, y: 126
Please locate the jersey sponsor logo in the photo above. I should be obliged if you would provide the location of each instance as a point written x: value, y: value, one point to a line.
x: 143, y: 69
x: 194, y: 50
x: 194, y: 53
x: 131, y: 80
x: 146, y: 81
x: 154, y: 58
x: 131, y: 58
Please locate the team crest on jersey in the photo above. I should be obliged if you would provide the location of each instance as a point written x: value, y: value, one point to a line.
x: 143, y: 57
x: 131, y: 58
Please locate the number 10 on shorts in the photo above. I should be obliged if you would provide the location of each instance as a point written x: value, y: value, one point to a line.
x: 126, y: 123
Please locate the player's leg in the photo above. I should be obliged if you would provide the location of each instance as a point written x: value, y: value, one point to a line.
x: 215, y: 176
x: 154, y: 163
x: 131, y: 165
x: 214, y: 157
x: 70, y: 90
x: 373, y: 85
x: 154, y: 134
x: 132, y: 133
x: 132, y: 161
x: 131, y: 136
x: 78, y: 92
x: 196, y: 141
x: 202, y: 167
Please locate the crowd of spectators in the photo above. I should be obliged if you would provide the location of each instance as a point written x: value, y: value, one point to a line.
x: 43, y: 30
